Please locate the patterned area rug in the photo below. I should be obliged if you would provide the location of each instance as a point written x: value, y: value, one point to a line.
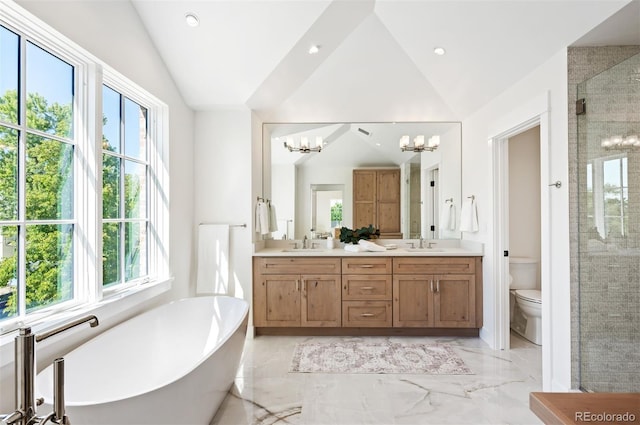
x: 376, y: 357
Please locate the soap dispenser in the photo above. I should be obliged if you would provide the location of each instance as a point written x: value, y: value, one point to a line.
x: 329, y: 242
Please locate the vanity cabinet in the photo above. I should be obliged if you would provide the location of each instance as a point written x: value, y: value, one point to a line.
x: 376, y: 200
x: 295, y: 292
x: 366, y: 292
x: 437, y: 292
x: 374, y: 295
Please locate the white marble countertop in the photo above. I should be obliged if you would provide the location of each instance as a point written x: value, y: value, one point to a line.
x: 442, y: 248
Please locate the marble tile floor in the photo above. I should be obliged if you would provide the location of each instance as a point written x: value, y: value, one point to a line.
x: 265, y: 392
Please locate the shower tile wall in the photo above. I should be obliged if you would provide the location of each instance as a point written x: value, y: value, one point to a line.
x: 605, y: 292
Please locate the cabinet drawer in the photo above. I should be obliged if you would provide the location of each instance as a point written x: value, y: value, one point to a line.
x: 368, y: 265
x: 366, y: 314
x: 306, y: 265
x: 366, y: 287
x: 434, y: 265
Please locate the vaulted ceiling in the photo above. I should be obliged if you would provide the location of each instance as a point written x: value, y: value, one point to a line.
x: 255, y: 53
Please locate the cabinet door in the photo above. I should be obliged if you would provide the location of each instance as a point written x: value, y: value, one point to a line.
x: 321, y: 301
x: 388, y: 206
x: 364, y: 198
x: 413, y: 301
x: 454, y: 301
x: 279, y: 297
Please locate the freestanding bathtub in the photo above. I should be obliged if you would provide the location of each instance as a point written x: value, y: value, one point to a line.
x: 171, y: 365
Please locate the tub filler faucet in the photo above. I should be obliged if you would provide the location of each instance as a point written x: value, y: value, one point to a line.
x: 25, y: 372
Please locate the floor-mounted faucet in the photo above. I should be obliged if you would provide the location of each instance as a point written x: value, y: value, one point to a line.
x: 25, y: 371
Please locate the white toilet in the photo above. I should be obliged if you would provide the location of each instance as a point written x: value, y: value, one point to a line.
x: 525, y: 298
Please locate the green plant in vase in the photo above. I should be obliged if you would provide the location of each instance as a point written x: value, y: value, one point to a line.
x: 353, y: 236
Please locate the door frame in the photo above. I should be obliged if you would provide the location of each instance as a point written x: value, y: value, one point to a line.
x: 536, y: 114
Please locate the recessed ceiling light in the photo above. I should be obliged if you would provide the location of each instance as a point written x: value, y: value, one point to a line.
x: 192, y: 20
x: 439, y: 51
x: 314, y: 49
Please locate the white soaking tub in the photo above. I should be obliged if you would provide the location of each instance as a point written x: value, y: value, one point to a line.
x: 171, y: 365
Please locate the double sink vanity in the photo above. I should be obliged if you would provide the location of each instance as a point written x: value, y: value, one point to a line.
x: 405, y: 290
x: 359, y: 175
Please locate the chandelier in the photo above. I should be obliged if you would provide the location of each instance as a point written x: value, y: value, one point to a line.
x: 419, y: 144
x: 303, y: 146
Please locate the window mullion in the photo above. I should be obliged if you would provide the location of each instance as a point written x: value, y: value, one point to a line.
x: 22, y: 179
x: 122, y: 209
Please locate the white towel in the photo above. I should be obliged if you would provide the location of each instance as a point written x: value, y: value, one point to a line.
x: 262, y: 218
x: 353, y: 248
x: 448, y: 217
x: 273, y: 221
x: 469, y: 216
x: 213, y: 259
x: 370, y: 246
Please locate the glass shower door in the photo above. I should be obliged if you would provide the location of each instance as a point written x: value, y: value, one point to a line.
x: 609, y: 229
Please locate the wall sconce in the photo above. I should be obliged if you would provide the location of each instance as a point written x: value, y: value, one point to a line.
x: 418, y: 144
x: 618, y: 142
x: 304, y: 146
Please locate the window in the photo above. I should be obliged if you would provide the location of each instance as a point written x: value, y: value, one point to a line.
x: 608, y: 197
x: 66, y: 118
x: 36, y: 163
x: 124, y: 189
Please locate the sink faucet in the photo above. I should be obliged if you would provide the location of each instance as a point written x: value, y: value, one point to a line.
x: 430, y: 244
x: 305, y: 242
x: 422, y: 242
x: 25, y: 371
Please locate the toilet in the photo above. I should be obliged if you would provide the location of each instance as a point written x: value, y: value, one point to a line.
x: 525, y: 298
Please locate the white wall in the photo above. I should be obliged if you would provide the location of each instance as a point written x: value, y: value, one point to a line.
x: 223, y: 185
x: 524, y: 195
x: 283, y: 197
x: 513, y: 107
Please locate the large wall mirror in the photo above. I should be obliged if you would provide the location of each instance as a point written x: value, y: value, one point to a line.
x: 312, y: 192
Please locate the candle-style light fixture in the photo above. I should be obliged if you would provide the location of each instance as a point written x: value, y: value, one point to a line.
x: 303, y: 146
x: 419, y: 143
x: 617, y: 142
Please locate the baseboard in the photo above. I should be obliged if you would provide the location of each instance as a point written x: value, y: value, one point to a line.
x: 366, y: 331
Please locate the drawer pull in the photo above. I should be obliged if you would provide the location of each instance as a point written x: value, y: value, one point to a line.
x: 438, y: 285
x: 366, y: 266
x: 367, y: 315
x: 431, y: 284
x: 367, y: 288
x: 297, y: 284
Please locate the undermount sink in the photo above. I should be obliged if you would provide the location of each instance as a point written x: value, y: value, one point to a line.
x: 424, y: 249
x: 303, y: 250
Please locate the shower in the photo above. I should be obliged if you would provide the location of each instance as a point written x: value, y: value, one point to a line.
x: 609, y: 229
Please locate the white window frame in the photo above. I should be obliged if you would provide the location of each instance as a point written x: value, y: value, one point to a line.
x: 90, y: 73
x: 598, y: 197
